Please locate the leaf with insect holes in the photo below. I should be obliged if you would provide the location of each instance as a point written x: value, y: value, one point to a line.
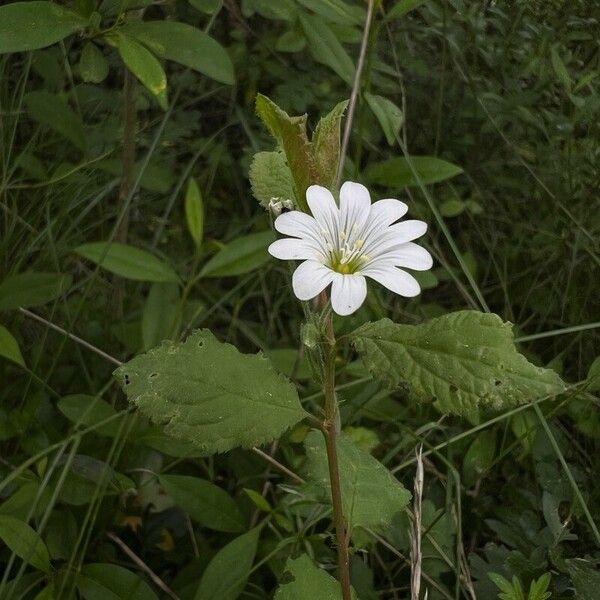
x: 208, y: 393
x: 462, y: 361
x: 371, y: 495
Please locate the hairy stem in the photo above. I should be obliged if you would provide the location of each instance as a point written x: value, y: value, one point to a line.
x: 330, y: 432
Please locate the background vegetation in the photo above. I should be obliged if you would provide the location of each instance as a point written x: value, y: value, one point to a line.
x: 506, y: 91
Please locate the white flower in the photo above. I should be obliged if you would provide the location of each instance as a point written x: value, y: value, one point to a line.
x: 343, y: 245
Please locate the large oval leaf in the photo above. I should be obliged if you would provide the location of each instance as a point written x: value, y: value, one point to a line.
x: 32, y: 25
x: 25, y: 542
x: 396, y: 172
x: 371, y: 495
x: 208, y: 393
x: 31, y: 289
x: 461, y: 361
x: 205, y: 502
x: 186, y: 45
x: 127, y: 261
x: 241, y: 256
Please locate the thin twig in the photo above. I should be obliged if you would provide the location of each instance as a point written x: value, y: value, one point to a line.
x: 278, y: 465
x: 71, y: 336
x: 416, y: 555
x: 355, y: 87
x: 142, y: 565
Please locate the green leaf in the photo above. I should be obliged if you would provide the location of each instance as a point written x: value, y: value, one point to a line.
x: 208, y: 393
x: 207, y: 6
x: 479, y: 457
x: 270, y: 178
x: 88, y: 410
x: 127, y: 261
x: 51, y: 110
x: 32, y: 289
x: 25, y: 542
x: 194, y: 212
x: 205, y: 502
x: 371, y: 495
x: 326, y: 145
x: 336, y: 11
x: 258, y: 500
x: 31, y: 25
x: 326, y: 48
x: 283, y: 10
x: 9, y: 347
x: 585, y: 577
x: 461, y: 361
x: 593, y: 375
x: 144, y: 65
x: 105, y: 581
x: 185, y: 45
x: 240, y: 256
x: 390, y: 117
x: 161, y: 315
x: 308, y: 582
x: 396, y: 172
x: 560, y: 69
x: 402, y: 7
x: 452, y: 208
x: 290, y: 133
x: 93, y: 67
x: 226, y: 575
x: 290, y: 41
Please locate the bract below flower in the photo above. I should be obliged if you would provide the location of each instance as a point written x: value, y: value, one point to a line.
x: 341, y: 246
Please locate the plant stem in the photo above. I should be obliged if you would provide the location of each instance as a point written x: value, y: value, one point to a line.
x: 330, y: 432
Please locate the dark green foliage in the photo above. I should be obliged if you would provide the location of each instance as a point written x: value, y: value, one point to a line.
x: 124, y: 240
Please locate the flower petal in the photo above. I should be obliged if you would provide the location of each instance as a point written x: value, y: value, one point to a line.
x: 303, y: 226
x: 324, y: 209
x: 394, y: 279
x: 409, y: 255
x: 392, y: 237
x: 294, y: 249
x: 387, y: 211
x: 310, y: 279
x: 355, y: 205
x: 348, y: 292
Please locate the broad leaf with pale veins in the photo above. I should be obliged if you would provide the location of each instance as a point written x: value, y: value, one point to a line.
x: 371, y: 495
x: 462, y: 361
x: 209, y: 394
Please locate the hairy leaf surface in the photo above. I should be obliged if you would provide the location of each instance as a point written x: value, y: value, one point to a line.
x: 371, y: 495
x: 461, y: 361
x: 210, y: 394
